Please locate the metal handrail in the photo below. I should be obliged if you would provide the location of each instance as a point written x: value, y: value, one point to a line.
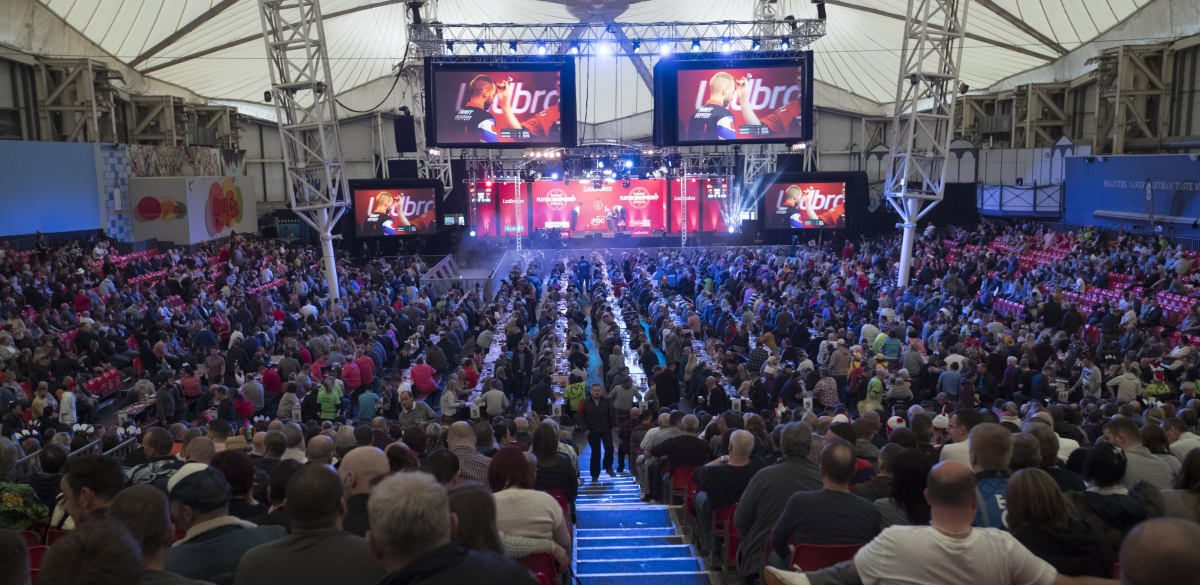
x: 124, y: 448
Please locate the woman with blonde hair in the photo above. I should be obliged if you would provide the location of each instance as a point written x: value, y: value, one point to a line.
x: 1047, y: 523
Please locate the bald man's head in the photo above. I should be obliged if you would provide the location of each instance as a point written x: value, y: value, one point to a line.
x: 320, y: 450
x: 461, y: 434
x: 741, y: 443
x: 362, y: 468
x: 664, y: 420
x: 379, y: 424
x: 201, y: 450
x: 951, y: 485
x: 1158, y: 552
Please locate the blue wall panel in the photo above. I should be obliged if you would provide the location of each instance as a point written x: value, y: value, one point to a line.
x: 48, y: 186
x: 1113, y: 192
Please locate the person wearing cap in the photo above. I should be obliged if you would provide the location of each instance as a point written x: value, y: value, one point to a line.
x: 214, y: 541
x: 317, y: 550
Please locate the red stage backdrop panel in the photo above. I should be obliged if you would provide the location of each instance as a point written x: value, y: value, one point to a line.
x: 644, y: 202
x: 389, y: 212
x: 708, y: 114
x: 805, y: 205
x: 508, y: 222
x: 533, y: 97
x: 487, y: 223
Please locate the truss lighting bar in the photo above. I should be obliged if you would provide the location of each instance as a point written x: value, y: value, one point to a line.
x: 592, y: 39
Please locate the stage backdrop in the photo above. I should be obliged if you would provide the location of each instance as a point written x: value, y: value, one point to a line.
x: 190, y: 210
x: 508, y: 224
x: 701, y: 204
x: 644, y: 202
x: 1134, y: 191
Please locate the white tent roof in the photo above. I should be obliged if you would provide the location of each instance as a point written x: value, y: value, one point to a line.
x: 213, y: 47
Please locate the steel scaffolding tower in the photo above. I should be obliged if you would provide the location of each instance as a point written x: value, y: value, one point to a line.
x: 929, y: 74
x: 302, y: 91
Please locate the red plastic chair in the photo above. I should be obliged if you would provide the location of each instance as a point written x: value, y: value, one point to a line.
x: 723, y: 527
x: 814, y: 557
x: 689, y: 498
x: 36, y: 553
x: 542, y: 566
x: 679, y: 481
x: 53, y: 536
x: 137, y: 366
x: 31, y: 539
x: 562, y: 499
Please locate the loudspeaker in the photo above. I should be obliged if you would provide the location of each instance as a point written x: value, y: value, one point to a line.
x: 405, y: 168
x: 1020, y: 181
x: 406, y: 133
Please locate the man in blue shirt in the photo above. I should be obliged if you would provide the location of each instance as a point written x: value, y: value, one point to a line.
x: 583, y: 271
x: 366, y: 405
x: 991, y: 449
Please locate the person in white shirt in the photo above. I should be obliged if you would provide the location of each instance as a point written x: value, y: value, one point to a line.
x: 961, y: 423
x: 100, y: 251
x: 949, y: 550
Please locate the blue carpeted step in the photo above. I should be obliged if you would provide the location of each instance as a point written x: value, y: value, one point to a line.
x: 615, y: 552
x: 625, y: 532
x: 622, y: 540
x: 685, y: 578
x: 623, y: 517
x: 638, y: 567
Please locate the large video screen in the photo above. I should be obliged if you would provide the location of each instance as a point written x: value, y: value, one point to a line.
x: 639, y: 208
x: 503, y: 106
x: 733, y: 100
x: 805, y: 205
x: 394, y: 207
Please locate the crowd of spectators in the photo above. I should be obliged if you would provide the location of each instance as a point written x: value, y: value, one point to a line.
x: 999, y: 407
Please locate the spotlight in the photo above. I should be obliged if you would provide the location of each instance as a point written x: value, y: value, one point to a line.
x: 434, y: 151
x: 472, y: 233
x: 696, y: 45
x: 629, y: 163
x: 574, y: 47
x: 600, y: 164
x: 607, y: 172
x: 449, y: 48
x: 664, y: 49
x: 602, y: 48
x: 756, y: 45
x: 480, y: 49
x: 554, y: 176
x: 732, y: 229
x: 636, y: 45
x: 512, y: 48
x: 784, y: 45
x: 488, y: 183
x: 541, y: 47
x: 726, y: 46
x: 609, y: 180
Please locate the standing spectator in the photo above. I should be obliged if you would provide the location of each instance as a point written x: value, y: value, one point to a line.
x: 600, y: 419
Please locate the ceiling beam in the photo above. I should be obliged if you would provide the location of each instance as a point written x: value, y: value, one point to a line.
x: 1023, y: 26
x: 259, y: 36
x: 974, y: 37
x: 638, y: 62
x: 183, y: 31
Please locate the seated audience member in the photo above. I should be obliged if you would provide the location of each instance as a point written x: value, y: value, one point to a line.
x: 317, y: 550
x: 1160, y: 552
x: 14, y: 558
x: 722, y: 482
x: 906, y: 504
x: 277, y: 495
x: 239, y: 472
x: 412, y: 536
x: 361, y: 470
x: 996, y: 558
x: 991, y: 449
x: 31, y: 512
x: 554, y: 470
x: 880, y: 486
x: 1068, y: 481
x: 1183, y: 501
x: 89, y: 484
x: 214, y: 541
x: 520, y: 510
x: 476, y: 510
x: 1042, y: 519
x: 143, y: 511
x: 1107, y: 505
x: 1140, y: 463
x: 100, y: 552
x: 831, y: 515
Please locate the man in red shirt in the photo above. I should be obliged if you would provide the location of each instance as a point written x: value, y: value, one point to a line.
x: 366, y: 369
x: 543, y: 123
x: 422, y: 379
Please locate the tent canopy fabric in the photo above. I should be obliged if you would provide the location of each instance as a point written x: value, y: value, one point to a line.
x: 214, y: 47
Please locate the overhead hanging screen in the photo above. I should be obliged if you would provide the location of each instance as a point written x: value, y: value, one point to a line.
x: 639, y: 208
x: 734, y: 100
x: 805, y: 205
x: 500, y: 105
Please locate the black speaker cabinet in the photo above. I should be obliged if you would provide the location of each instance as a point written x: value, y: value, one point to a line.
x: 406, y: 133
